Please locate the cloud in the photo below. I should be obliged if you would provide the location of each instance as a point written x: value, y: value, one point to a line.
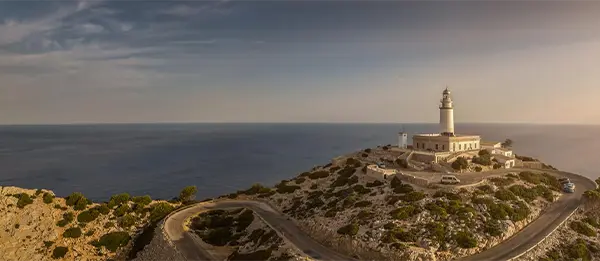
x: 184, y: 10
x: 90, y: 28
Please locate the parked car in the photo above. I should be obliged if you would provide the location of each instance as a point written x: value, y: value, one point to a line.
x: 564, y: 180
x: 569, y: 187
x: 449, y: 179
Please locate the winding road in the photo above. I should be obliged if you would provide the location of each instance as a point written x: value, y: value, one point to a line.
x: 536, y: 231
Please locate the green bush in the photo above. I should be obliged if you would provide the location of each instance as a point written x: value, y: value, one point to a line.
x: 73, y: 232
x: 88, y: 215
x: 436, y: 210
x: 389, y: 226
x: 487, y: 189
x: 351, y: 161
x: 112, y: 241
x: 300, y: 180
x: 404, y: 236
x: 396, y: 182
x: 121, y: 210
x: 74, y: 198
x: 478, y: 169
x: 187, y: 193
x: 375, y: 183
x: 484, y: 159
x: 460, y: 163
x: 499, y: 211
x: 48, y: 243
x: 493, y: 227
x: 159, y: 211
x: 142, y: 200
x: 403, y: 189
x: 583, y: 228
x: 578, y: 250
x: 48, y: 198
x: 90, y: 232
x: 362, y: 204
x: 437, y: 231
x: 592, y: 221
x: 24, y: 200
x: 59, y: 252
x: 282, y: 188
x: 405, y: 212
x: 465, y: 239
x: 109, y: 224
x: 520, y: 212
x: 361, y: 190
x: 413, y: 196
x: 103, y: 209
x: 527, y: 194
x: 126, y: 221
x: 505, y: 195
x: 81, y: 205
x: 318, y: 174
x: 350, y: 229
x: 501, y: 182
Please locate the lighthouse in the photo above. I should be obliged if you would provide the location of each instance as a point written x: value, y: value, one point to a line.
x: 446, y: 114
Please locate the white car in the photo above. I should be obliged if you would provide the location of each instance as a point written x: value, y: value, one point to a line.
x: 449, y: 179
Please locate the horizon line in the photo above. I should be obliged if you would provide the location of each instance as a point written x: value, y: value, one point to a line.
x: 300, y: 122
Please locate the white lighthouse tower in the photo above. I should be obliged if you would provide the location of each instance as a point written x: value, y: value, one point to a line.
x: 446, y: 114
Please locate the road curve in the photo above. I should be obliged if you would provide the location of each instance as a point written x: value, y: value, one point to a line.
x: 528, y: 237
x: 185, y: 243
x: 541, y: 227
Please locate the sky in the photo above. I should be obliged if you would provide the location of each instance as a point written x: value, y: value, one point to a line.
x: 298, y: 61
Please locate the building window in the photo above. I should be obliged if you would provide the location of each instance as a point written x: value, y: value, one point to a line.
x: 436, y: 147
x: 459, y: 146
x: 443, y: 147
x: 454, y: 146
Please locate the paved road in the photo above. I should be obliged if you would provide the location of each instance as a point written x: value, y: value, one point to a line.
x: 519, y: 243
x: 184, y: 242
x: 537, y: 230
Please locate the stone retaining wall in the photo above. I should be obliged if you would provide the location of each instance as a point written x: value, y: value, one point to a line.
x: 159, y: 249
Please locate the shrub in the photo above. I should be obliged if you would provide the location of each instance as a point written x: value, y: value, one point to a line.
x: 142, y: 200
x: 17, y: 226
x: 364, y: 155
x: 593, y: 221
x: 282, y: 188
x: 73, y: 232
x: 405, y: 212
x: 68, y: 216
x: 257, y: 189
x: 375, y: 183
x: 121, y: 210
x: 413, y: 196
x: 527, y: 194
x: 350, y: 229
x: 486, y: 189
x: 436, y: 210
x: 478, y: 169
x: 501, y: 182
x: 300, y: 180
x: 389, y: 226
x: 578, y: 250
x: 88, y: 216
x: 493, y: 228
x: 24, y: 200
x: 109, y: 224
x: 505, y: 195
x: 81, y: 205
x: 583, y: 228
x: 59, y: 252
x: 48, y: 243
x: 361, y: 190
x: 48, y: 198
x: 404, y: 236
x: 465, y: 239
x: 403, y: 189
x: 362, y: 204
x: 318, y: 174
x: 499, y: 211
x: 314, y: 186
x: 126, y: 221
x: 395, y: 182
x: 484, y: 159
x: 74, y: 198
x: 112, y: 241
x: 436, y: 231
x: 159, y: 211
x: 460, y: 163
x: 188, y: 193
x: 520, y: 212
x: 103, y: 209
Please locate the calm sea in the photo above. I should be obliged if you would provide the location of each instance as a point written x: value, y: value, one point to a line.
x: 160, y: 159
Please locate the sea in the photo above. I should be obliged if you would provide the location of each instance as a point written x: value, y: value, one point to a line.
x: 160, y: 159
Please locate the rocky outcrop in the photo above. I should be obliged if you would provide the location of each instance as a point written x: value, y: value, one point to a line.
x: 159, y: 249
x: 36, y: 225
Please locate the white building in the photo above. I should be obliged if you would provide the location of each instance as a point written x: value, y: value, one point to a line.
x: 379, y: 173
x: 446, y: 140
x: 402, y: 140
x: 507, y: 162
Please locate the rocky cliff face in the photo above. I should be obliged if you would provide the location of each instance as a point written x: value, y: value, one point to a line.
x: 35, y: 225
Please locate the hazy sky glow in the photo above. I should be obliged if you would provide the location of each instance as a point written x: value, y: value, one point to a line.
x: 298, y: 61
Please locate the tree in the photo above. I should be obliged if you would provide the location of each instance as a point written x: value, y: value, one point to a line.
x: 460, y: 163
x: 507, y: 143
x: 187, y: 193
